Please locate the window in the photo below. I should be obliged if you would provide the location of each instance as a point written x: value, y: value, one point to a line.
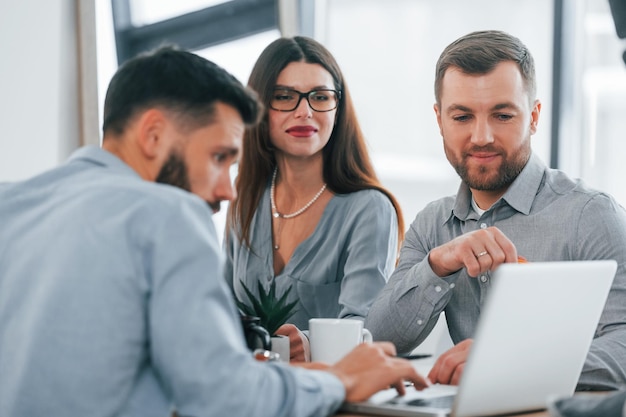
x: 141, y: 25
x: 592, y: 142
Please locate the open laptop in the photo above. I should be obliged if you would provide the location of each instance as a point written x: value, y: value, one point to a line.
x: 530, y: 344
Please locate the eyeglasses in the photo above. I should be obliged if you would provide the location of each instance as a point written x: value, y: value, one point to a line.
x: 288, y: 99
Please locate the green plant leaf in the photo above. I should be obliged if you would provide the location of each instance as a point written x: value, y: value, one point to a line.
x: 272, y: 312
x: 245, y: 309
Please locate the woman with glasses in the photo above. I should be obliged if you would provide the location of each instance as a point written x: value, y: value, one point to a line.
x: 310, y: 213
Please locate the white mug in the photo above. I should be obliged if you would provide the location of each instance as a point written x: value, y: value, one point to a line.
x: 280, y: 345
x: 332, y: 339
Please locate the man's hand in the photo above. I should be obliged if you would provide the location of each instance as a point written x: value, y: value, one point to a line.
x: 299, y: 350
x: 478, y: 251
x: 371, y: 367
x: 449, y: 366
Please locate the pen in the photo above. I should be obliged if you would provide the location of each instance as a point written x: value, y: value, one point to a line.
x: 411, y: 357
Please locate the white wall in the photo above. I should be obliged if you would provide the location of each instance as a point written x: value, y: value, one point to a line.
x: 38, y: 86
x: 390, y: 69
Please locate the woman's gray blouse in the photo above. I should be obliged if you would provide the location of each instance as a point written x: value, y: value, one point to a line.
x: 337, y: 271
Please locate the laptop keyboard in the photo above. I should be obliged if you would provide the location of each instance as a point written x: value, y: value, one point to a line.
x: 436, y: 402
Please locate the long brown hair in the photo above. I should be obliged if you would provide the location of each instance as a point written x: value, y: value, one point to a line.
x: 347, y: 165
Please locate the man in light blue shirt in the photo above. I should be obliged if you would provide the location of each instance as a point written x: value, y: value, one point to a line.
x: 112, y: 301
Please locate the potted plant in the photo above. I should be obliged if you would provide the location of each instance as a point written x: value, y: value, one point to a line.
x: 272, y: 311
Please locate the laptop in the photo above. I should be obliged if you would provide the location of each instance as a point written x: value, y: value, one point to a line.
x: 530, y: 345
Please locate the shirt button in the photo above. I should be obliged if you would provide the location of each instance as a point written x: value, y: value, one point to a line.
x: 452, y: 285
x: 437, y: 288
x: 483, y: 278
x: 419, y: 322
x: 483, y: 225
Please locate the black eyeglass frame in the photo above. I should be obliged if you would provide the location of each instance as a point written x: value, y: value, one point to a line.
x: 306, y: 96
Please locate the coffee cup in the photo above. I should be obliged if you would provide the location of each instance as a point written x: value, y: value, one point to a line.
x: 332, y: 339
x: 257, y: 337
x: 281, y: 345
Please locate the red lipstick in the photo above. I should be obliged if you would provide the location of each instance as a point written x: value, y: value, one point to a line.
x: 302, y: 131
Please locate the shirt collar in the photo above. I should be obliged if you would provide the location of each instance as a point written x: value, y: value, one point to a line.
x: 104, y: 158
x: 520, y: 195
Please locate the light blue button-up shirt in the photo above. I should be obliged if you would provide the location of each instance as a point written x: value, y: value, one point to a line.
x: 112, y: 303
x: 337, y: 271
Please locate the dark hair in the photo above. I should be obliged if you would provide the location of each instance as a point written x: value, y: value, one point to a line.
x: 480, y: 52
x: 347, y: 166
x: 179, y: 81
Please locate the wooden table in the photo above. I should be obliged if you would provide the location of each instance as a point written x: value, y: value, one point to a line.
x: 537, y: 414
x: 543, y: 413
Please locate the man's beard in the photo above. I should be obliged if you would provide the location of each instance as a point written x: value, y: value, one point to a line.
x: 174, y: 172
x: 482, y: 180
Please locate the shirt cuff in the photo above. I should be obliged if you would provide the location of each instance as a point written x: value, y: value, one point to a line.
x: 319, y: 385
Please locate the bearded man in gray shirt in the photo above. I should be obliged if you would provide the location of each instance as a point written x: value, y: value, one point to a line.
x: 509, y: 206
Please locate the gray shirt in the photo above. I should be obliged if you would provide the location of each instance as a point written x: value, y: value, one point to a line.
x: 112, y: 304
x: 549, y: 217
x: 337, y: 271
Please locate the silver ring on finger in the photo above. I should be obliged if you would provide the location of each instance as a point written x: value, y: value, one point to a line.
x: 483, y: 253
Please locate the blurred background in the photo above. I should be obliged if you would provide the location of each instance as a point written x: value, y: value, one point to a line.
x: 59, y: 55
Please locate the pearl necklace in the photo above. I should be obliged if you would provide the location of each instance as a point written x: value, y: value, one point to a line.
x: 275, y: 212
